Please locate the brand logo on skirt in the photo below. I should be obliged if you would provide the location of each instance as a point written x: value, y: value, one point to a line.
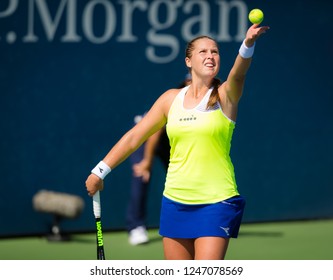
x: 226, y: 230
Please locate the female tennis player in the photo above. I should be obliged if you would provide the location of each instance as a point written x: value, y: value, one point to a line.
x: 201, y: 206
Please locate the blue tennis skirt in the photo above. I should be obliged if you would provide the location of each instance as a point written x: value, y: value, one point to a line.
x: 221, y: 219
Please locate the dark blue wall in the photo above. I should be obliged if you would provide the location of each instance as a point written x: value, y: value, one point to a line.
x: 71, y: 83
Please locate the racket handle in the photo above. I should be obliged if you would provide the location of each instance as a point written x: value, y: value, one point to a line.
x: 97, y: 205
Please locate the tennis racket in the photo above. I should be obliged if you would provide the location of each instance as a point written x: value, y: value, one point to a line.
x: 99, y: 231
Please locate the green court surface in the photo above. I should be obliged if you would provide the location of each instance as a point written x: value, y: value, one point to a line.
x: 301, y: 240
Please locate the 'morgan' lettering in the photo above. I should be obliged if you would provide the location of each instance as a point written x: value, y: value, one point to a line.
x: 105, y: 21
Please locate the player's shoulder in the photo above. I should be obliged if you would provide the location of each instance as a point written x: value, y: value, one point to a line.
x: 170, y: 94
x: 167, y: 98
x: 173, y: 91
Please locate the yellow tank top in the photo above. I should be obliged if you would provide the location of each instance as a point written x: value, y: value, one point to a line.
x: 200, y: 169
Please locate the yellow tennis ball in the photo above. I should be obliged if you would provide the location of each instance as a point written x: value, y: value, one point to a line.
x: 256, y: 16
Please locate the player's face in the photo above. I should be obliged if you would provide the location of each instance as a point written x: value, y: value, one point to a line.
x: 205, y: 60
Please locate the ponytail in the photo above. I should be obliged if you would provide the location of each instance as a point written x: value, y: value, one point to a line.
x: 214, y: 96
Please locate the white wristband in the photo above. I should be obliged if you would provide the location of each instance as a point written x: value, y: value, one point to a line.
x: 101, y: 170
x: 246, y: 52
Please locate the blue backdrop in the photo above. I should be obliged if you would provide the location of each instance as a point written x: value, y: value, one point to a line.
x: 73, y: 74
